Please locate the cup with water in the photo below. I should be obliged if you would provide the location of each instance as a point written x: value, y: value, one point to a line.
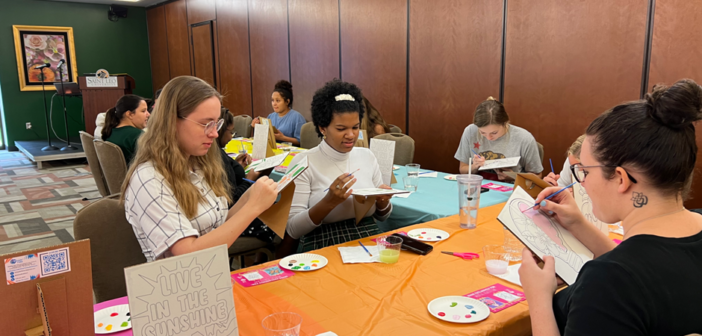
x: 513, y: 246
x: 495, y: 259
x: 412, y: 169
x: 468, y: 199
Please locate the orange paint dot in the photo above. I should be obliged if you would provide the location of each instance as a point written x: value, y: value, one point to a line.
x: 99, y: 325
x: 109, y: 327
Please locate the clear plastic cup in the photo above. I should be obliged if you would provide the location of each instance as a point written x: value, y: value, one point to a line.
x: 411, y: 183
x: 495, y: 259
x: 468, y: 199
x: 282, y: 324
x: 513, y: 246
x: 389, y: 248
x: 412, y: 169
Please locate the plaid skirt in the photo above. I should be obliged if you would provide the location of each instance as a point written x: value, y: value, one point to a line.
x: 337, y: 233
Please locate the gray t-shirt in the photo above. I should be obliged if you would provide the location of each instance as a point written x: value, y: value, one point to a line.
x: 516, y: 142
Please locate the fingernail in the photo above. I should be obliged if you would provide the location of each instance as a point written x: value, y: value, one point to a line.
x: 550, y: 212
x: 543, y: 203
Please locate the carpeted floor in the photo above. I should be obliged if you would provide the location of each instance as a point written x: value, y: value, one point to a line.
x: 37, y: 207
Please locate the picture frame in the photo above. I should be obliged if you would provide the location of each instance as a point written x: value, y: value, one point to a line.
x: 36, y: 45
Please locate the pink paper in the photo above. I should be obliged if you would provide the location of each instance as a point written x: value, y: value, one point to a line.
x: 261, y: 276
x: 497, y: 297
x: 497, y: 187
x: 617, y: 241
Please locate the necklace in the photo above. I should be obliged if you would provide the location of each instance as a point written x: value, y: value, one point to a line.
x: 659, y: 216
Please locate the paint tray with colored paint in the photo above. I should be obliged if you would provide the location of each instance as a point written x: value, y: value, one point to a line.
x: 303, y: 262
x: 113, y: 319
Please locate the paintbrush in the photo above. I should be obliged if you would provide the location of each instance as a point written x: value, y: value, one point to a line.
x: 550, y: 196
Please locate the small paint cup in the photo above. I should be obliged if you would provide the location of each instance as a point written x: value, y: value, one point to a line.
x: 389, y: 248
x: 282, y: 324
x: 496, y: 259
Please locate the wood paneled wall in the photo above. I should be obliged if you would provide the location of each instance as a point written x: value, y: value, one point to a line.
x: 427, y: 64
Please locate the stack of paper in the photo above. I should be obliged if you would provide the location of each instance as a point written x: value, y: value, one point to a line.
x: 356, y: 254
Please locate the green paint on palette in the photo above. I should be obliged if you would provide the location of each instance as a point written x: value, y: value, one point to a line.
x: 453, y: 304
x: 124, y: 324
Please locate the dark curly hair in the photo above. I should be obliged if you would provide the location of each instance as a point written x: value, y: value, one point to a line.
x: 324, y: 103
x: 285, y: 89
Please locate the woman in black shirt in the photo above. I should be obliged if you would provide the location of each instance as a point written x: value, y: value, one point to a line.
x: 636, y: 165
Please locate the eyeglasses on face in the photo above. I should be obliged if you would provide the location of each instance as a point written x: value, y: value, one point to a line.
x: 579, y: 173
x: 210, y: 126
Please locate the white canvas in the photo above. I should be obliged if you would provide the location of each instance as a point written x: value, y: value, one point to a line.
x: 384, y: 151
x: 544, y: 236
x: 260, y: 141
x: 189, y: 295
x: 500, y: 163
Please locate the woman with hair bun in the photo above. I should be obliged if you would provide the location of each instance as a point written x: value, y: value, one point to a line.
x: 322, y: 212
x: 124, y: 124
x: 636, y: 164
x: 288, y: 121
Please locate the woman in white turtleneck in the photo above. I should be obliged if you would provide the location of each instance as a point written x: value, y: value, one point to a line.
x: 320, y: 217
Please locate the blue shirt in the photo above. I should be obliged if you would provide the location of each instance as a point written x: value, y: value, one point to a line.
x: 290, y: 125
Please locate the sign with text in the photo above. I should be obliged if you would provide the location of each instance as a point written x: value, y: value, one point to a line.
x: 189, y: 294
x: 101, y: 82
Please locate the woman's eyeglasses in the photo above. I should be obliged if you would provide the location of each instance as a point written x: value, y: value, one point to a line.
x: 579, y: 173
x: 210, y: 126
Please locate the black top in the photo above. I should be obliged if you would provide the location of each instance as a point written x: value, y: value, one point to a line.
x: 236, y: 174
x: 647, y: 285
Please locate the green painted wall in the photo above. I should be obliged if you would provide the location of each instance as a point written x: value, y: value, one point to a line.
x: 119, y: 47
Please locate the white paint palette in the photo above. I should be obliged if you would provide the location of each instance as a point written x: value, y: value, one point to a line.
x: 303, y: 262
x: 112, y: 319
x: 450, y: 177
x: 428, y: 235
x: 458, y: 309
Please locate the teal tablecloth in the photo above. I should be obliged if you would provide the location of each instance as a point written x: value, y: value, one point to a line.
x: 435, y: 198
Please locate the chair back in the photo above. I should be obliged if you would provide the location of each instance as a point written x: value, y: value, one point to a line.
x: 94, y: 163
x: 113, y: 245
x: 242, y: 125
x: 541, y: 151
x: 308, y: 136
x: 404, y: 147
x: 114, y: 168
x: 394, y: 129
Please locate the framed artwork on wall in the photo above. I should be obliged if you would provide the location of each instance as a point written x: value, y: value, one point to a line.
x: 39, y: 45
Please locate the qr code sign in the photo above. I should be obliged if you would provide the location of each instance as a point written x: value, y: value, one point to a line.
x: 55, y: 262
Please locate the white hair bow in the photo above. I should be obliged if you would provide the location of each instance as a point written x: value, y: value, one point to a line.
x: 344, y: 97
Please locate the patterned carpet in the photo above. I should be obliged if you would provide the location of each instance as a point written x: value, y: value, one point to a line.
x: 37, y: 207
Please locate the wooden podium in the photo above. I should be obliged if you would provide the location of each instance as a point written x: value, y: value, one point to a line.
x: 98, y: 99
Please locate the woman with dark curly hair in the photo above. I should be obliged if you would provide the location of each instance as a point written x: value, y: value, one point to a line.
x: 322, y: 212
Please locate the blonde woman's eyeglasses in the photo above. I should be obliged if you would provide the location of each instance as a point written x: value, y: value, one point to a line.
x: 210, y: 126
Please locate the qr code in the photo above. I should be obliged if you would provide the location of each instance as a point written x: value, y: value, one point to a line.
x: 54, y: 262
x: 507, y: 296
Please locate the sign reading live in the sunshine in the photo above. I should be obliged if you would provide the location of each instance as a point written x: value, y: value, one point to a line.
x: 184, y: 295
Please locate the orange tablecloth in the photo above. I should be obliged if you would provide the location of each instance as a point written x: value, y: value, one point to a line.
x: 380, y: 299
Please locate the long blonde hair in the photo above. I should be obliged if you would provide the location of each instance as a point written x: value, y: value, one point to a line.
x: 159, y: 145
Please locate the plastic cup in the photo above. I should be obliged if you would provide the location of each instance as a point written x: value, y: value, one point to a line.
x: 389, y: 248
x: 495, y: 259
x: 412, y: 169
x: 468, y: 199
x: 512, y: 246
x: 287, y: 146
x: 411, y: 183
x: 282, y: 324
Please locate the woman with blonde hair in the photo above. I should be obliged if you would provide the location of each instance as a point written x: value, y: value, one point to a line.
x: 565, y: 177
x: 176, y: 191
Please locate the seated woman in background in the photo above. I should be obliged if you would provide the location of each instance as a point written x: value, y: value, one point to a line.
x: 490, y: 137
x: 322, y: 212
x: 287, y: 121
x: 565, y: 177
x: 239, y: 180
x: 373, y: 123
x: 176, y: 192
x: 650, y: 283
x: 124, y: 124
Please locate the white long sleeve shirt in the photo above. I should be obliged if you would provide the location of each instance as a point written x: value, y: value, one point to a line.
x: 325, y: 165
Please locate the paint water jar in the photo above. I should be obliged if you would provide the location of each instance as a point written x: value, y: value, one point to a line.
x: 468, y: 199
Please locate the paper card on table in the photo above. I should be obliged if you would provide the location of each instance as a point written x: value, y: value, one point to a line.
x: 501, y: 163
x: 271, y: 162
x: 260, y: 142
x: 497, y: 297
x: 429, y: 174
x: 543, y: 235
x: 292, y: 174
x: 357, y: 255
x: 512, y: 274
x: 402, y: 195
x: 384, y: 151
x: 377, y: 192
x: 276, y: 217
x: 193, y: 289
x: 261, y: 276
x: 497, y: 187
x: 531, y: 183
x: 585, y: 205
x: 362, y: 140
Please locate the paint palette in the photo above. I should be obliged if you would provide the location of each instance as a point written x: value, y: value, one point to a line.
x: 395, y: 167
x: 458, y: 309
x: 112, y: 319
x: 303, y: 262
x: 450, y: 177
x: 428, y: 235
